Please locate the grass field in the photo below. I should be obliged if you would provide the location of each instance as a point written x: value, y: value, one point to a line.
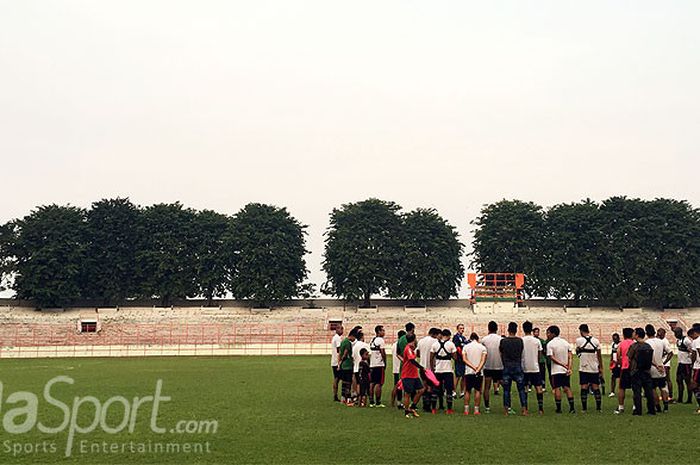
x: 278, y: 410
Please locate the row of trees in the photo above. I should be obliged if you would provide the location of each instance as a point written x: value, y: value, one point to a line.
x: 623, y: 251
x: 116, y: 251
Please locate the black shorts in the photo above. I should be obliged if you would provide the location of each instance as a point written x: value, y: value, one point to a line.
x: 376, y: 375
x: 345, y: 375
x: 625, y: 379
x: 533, y: 379
x: 336, y: 373
x: 695, y: 377
x: 364, y: 389
x: 658, y: 383
x: 685, y: 371
x: 474, y: 382
x: 616, y: 371
x: 459, y: 369
x: 561, y: 380
x: 495, y: 375
x: 357, y: 377
x: 588, y: 378
x: 411, y: 385
x: 397, y: 377
x: 447, y: 382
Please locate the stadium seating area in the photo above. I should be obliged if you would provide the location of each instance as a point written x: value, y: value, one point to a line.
x: 25, y: 332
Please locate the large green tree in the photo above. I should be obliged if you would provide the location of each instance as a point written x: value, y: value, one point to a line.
x: 509, y: 237
x: 165, y: 260
x: 576, y: 246
x: 7, y: 260
x: 213, y: 258
x: 363, y: 249
x: 111, y: 240
x: 268, y: 248
x: 49, y: 254
x: 431, y: 266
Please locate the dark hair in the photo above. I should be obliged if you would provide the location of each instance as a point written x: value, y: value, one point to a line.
x: 533, y: 329
x: 473, y: 337
x: 696, y: 327
x: 691, y: 331
x: 513, y: 327
x: 401, y: 333
x: 627, y: 333
x: 584, y: 328
x: 410, y: 327
x: 363, y: 351
x: 378, y: 328
x: 615, y: 334
x: 678, y: 331
x: 446, y: 332
x: 434, y: 331
x: 360, y: 335
x: 639, y: 332
x: 554, y: 329
x: 493, y: 326
x: 650, y: 331
x: 410, y: 337
x: 527, y: 327
x: 353, y: 332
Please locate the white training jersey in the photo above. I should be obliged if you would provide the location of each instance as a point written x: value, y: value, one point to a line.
x: 588, y: 361
x: 492, y: 342
x: 531, y: 354
x: 447, y: 349
x: 658, y: 359
x: 356, y: 358
x: 695, y: 346
x: 667, y: 350
x: 395, y: 362
x: 559, y: 349
x: 423, y: 347
x: 474, y: 351
x: 375, y: 358
x: 335, y: 345
x: 684, y: 355
x: 613, y: 348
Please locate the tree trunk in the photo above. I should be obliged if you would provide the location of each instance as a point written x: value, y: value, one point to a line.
x: 366, y: 301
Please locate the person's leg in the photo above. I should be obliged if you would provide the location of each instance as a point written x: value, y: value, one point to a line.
x: 680, y: 383
x: 487, y: 394
x: 669, y: 384
x: 570, y: 398
x: 584, y: 396
x: 649, y: 394
x: 477, y: 400
x: 598, y: 396
x: 467, y: 399
x: 522, y: 391
x: 505, y: 383
x: 335, y: 384
x: 557, y: 398
x: 622, y: 385
x: 637, y: 394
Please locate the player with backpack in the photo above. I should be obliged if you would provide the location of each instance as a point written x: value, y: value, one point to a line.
x: 641, y: 356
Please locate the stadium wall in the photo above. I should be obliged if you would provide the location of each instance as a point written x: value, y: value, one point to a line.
x: 285, y: 330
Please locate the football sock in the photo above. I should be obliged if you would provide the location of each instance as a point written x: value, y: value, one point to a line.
x: 540, y: 401
x: 584, y: 399
x: 598, y: 402
x: 558, y: 402
x: 571, y: 404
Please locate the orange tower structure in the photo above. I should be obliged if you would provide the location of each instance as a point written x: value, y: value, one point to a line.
x: 496, y: 287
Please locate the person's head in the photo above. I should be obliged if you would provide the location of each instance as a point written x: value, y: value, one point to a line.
x: 411, y: 339
x: 616, y: 338
x: 474, y: 337
x: 527, y: 327
x: 339, y: 330
x: 400, y: 334
x: 410, y: 328
x: 355, y: 330
x: 364, y: 354
x: 553, y: 331
x: 661, y: 333
x: 434, y: 332
x: 627, y: 333
x: 583, y: 329
x: 678, y: 332
x: 493, y: 327
x: 379, y: 330
x: 650, y: 330
x: 360, y: 336
x: 446, y: 334
x: 352, y: 335
x: 696, y: 328
x: 512, y: 328
x: 692, y: 333
x: 536, y: 332
x: 460, y: 328
x: 639, y: 334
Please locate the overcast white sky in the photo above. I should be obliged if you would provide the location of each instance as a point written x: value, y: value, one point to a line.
x: 311, y: 104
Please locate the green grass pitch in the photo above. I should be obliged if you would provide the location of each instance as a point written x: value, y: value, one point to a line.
x: 279, y: 410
